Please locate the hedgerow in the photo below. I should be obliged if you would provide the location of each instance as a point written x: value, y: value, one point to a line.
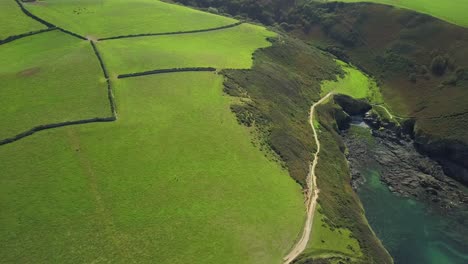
x: 192, y: 69
x: 172, y: 33
x: 55, y: 125
x: 15, y: 37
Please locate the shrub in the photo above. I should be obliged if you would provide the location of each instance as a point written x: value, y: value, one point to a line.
x: 213, y: 10
x: 412, y: 77
x: 439, y: 65
x: 287, y: 27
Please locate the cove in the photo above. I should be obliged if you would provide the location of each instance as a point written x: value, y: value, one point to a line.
x: 410, y: 230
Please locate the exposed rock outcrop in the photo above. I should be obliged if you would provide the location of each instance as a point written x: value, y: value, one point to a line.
x: 405, y: 170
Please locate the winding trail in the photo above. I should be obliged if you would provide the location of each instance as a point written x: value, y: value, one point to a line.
x: 386, y: 110
x: 312, y: 193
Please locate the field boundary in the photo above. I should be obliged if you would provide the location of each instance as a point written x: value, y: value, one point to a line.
x: 99, y: 57
x: 55, y: 125
x: 110, y: 93
x: 110, y: 96
x: 173, y: 33
x: 42, y: 21
x: 20, y: 36
x: 162, y: 71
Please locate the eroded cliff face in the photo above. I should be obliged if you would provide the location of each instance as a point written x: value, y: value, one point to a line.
x: 406, y: 171
x: 394, y: 150
x: 451, y: 154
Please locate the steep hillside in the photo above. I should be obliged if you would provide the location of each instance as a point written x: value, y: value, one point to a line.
x: 417, y: 60
x: 135, y: 169
x: 453, y: 11
x: 275, y: 99
x: 420, y: 63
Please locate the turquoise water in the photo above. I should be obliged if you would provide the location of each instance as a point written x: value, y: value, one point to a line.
x: 410, y: 232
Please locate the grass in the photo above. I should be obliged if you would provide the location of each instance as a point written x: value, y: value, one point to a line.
x: 107, y: 18
x: 49, y: 78
x: 279, y: 90
x: 338, y: 201
x: 452, y: 11
x: 173, y: 180
x: 208, y: 49
x: 14, y: 22
x: 327, y: 239
x: 354, y: 83
x: 400, y: 56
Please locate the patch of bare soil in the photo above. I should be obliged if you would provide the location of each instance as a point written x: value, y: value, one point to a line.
x: 29, y: 72
x: 92, y: 38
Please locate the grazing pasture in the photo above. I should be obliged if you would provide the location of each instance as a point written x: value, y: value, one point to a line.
x: 49, y: 78
x: 108, y: 18
x: 227, y: 48
x: 174, y: 180
x: 14, y: 22
x: 453, y: 11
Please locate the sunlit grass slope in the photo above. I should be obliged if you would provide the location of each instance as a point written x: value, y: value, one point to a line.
x: 174, y: 180
x: 328, y: 240
x: 49, y: 78
x: 354, y: 83
x: 107, y: 18
x: 228, y: 48
x: 453, y: 11
x: 14, y: 22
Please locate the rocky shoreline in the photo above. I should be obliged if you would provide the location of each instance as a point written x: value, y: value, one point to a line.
x: 402, y: 168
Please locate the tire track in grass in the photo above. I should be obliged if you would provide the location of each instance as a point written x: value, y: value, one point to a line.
x: 312, y: 193
x: 103, y: 214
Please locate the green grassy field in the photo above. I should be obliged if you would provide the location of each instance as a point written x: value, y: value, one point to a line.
x: 278, y: 92
x: 453, y: 11
x: 107, y: 18
x: 354, y: 83
x: 49, y: 78
x: 174, y: 180
x: 208, y: 49
x: 328, y: 240
x: 14, y: 22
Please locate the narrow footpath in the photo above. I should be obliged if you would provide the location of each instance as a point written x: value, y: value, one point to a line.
x: 312, y: 193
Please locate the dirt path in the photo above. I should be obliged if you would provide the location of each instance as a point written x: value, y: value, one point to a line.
x: 312, y: 193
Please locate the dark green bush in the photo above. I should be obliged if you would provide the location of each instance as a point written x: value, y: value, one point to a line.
x: 439, y: 65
